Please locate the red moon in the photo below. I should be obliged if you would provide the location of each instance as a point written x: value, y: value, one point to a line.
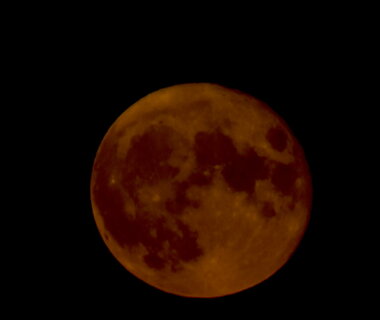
x: 200, y: 190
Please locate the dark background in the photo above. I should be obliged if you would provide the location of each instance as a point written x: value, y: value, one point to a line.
x: 79, y: 86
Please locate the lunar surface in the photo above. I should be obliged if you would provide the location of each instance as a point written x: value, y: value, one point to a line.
x: 200, y: 190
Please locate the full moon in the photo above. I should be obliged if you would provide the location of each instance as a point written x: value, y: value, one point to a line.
x: 200, y: 190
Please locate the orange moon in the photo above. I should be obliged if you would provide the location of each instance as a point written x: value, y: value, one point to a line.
x: 200, y: 190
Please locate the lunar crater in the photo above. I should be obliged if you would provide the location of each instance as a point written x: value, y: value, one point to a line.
x: 277, y: 137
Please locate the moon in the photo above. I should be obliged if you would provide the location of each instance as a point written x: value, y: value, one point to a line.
x: 200, y: 190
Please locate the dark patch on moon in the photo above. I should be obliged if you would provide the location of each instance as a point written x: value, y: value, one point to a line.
x: 154, y: 261
x: 268, y: 210
x: 148, y: 155
x: 284, y: 177
x: 240, y: 171
x: 182, y: 246
x: 146, y: 162
x: 180, y: 201
x: 241, y: 174
x: 109, y: 198
x: 277, y: 138
x: 213, y: 148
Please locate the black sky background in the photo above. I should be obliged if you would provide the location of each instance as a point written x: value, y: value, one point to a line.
x: 78, y: 91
